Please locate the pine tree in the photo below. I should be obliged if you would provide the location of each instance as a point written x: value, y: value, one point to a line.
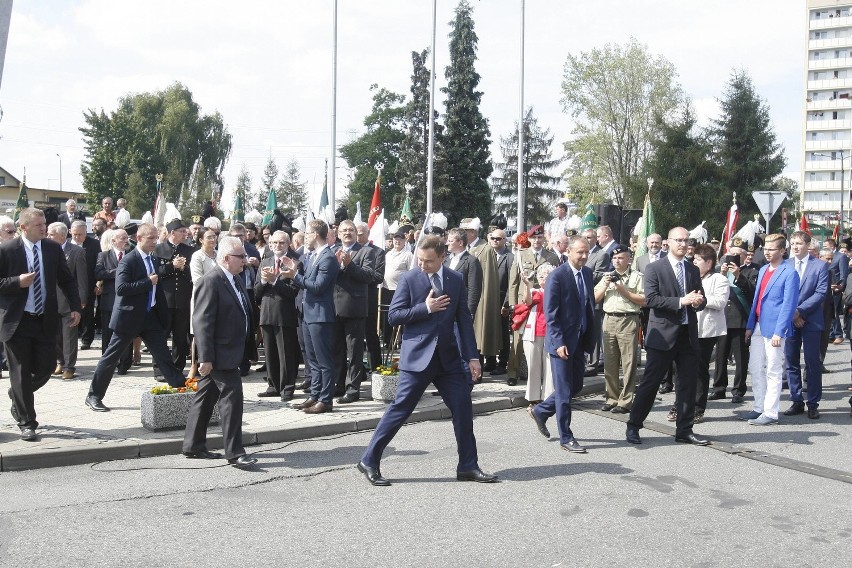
x: 267, y: 182
x: 540, y: 187
x: 414, y: 151
x: 291, y: 193
x: 746, y: 147
x: 243, y: 188
x: 465, y: 146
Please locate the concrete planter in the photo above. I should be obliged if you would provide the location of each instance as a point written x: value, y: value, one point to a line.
x: 384, y: 387
x: 169, y: 411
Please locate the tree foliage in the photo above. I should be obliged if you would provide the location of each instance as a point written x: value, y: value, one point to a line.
x: 150, y: 133
x: 243, y: 188
x: 616, y: 94
x: 540, y: 188
x: 465, y: 144
x: 379, y: 144
x: 267, y: 183
x: 292, y: 194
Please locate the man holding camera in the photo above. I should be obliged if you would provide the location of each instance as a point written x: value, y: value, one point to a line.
x: 621, y: 292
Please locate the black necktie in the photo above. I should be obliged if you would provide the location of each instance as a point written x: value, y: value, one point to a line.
x: 242, y: 299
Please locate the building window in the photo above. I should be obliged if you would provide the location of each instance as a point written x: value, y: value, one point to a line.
x: 2, y: 181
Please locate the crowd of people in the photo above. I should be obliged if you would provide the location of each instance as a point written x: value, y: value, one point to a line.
x: 548, y: 306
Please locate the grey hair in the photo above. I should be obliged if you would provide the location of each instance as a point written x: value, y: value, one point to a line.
x: 226, y: 246
x: 79, y: 223
x: 59, y: 227
x: 70, y: 202
x: 213, y: 223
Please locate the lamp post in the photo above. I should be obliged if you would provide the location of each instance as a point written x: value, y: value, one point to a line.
x: 60, y: 171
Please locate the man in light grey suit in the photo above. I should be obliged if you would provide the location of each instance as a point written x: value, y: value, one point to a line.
x: 66, y: 340
x: 654, y: 244
x: 222, y: 320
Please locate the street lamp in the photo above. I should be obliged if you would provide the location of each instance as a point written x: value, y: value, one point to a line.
x: 60, y: 170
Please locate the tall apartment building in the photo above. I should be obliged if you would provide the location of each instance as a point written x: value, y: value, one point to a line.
x: 828, y: 111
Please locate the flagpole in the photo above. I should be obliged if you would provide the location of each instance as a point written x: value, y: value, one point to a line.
x: 521, y: 189
x: 431, y: 159
x: 332, y: 195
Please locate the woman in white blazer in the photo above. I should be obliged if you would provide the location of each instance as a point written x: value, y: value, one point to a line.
x: 711, y: 320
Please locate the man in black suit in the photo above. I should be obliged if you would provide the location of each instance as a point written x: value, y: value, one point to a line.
x: 105, y: 270
x: 140, y: 310
x: 92, y: 247
x: 278, y: 319
x: 71, y: 214
x: 222, y: 321
x: 350, y: 306
x: 600, y: 264
x: 371, y: 325
x: 171, y: 259
x: 460, y: 260
x: 505, y: 259
x: 30, y: 269
x: 66, y: 346
x: 674, y: 295
x: 248, y: 276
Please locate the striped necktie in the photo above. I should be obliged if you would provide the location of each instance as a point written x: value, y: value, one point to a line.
x: 38, y: 293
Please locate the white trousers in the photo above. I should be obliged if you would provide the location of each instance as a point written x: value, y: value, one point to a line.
x: 766, y: 367
x: 539, y: 378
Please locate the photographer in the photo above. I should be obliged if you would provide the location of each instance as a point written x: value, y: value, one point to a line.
x: 621, y: 292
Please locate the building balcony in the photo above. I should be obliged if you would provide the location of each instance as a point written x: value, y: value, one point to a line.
x: 828, y: 124
x: 830, y: 43
x: 826, y: 165
x: 833, y: 63
x: 829, y: 104
x: 830, y: 84
x: 821, y: 145
x: 830, y: 186
x: 829, y: 23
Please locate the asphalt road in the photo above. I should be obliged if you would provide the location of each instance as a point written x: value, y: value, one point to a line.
x: 659, y: 504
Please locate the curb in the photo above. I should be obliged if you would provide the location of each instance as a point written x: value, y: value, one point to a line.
x: 127, y: 449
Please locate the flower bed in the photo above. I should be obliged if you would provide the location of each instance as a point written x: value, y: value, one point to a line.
x: 166, y: 408
x: 384, y: 383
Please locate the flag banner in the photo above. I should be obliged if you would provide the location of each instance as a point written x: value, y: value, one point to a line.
x: 357, y: 217
x: 377, y: 231
x: 271, y: 206
x: 324, y: 196
x: 238, y: 214
x: 647, y: 227
x: 23, y: 200
x: 376, y: 203
x: 730, y: 226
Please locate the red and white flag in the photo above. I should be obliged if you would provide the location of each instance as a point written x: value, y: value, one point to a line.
x: 376, y: 204
x: 803, y: 224
x: 730, y: 225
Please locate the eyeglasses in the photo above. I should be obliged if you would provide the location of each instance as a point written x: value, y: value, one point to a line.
x: 10, y: 231
x: 238, y: 255
x: 496, y: 238
x: 678, y: 240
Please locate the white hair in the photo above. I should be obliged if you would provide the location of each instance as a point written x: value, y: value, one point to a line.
x: 227, y: 245
x: 59, y: 227
x: 213, y: 223
x: 6, y: 220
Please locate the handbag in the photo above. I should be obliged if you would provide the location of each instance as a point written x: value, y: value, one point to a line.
x: 519, y: 316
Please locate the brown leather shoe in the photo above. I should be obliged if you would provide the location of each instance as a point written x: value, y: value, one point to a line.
x: 307, y: 403
x: 67, y: 375
x: 58, y: 370
x: 318, y: 408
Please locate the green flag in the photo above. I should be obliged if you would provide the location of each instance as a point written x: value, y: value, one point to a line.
x: 238, y: 215
x: 271, y: 206
x: 23, y: 201
x: 405, y: 216
x: 324, y: 196
x: 646, y: 227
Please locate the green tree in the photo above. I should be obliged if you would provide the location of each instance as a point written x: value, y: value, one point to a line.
x: 379, y: 144
x: 138, y: 195
x: 746, y: 148
x: 267, y: 182
x: 292, y: 194
x: 465, y: 145
x: 150, y: 133
x: 615, y: 94
x: 540, y: 188
x: 414, y: 154
x: 685, y: 190
x: 243, y: 187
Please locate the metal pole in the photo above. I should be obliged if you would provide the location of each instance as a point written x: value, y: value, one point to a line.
x: 331, y: 192
x: 60, y: 171
x: 522, y: 193
x: 842, y: 175
x: 431, y: 155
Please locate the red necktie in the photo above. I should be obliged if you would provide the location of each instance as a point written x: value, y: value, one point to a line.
x: 280, y: 264
x: 120, y: 255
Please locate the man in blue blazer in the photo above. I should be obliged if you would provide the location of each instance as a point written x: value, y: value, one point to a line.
x: 320, y: 275
x: 770, y: 323
x: 431, y: 302
x: 140, y: 310
x: 808, y: 325
x: 674, y: 295
x: 569, y: 311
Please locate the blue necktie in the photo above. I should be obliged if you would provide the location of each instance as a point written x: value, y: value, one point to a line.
x: 38, y: 295
x: 436, y: 285
x: 582, y: 295
x: 682, y: 283
x: 151, y: 293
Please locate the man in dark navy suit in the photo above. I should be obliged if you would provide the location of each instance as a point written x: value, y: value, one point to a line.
x: 569, y: 312
x: 105, y: 271
x: 431, y: 302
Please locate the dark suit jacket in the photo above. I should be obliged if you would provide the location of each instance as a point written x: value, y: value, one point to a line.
x: 105, y: 270
x: 177, y: 284
x: 504, y: 268
x: 132, y: 287
x: 76, y: 216
x: 471, y: 272
x: 599, y: 263
x: 643, y: 261
x: 350, y: 288
x: 219, y: 321
x: 92, y: 246
x: 662, y: 297
x: 736, y: 314
x: 75, y: 258
x: 13, y: 298
x: 278, y: 300
x: 426, y: 333
x: 318, y: 283
x: 562, y: 309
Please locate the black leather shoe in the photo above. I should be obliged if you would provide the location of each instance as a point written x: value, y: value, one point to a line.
x: 664, y: 389
x: 84, y: 346
x: 305, y: 386
x: 347, y: 399
x: 120, y: 371
x: 203, y: 455
x: 736, y: 399
x: 373, y: 475
x: 632, y: 436
x: 268, y: 393
x: 538, y: 422
x: 607, y: 407
x: 591, y: 372
x: 29, y: 435
x: 499, y: 371
x: 795, y: 409
x: 716, y: 396
x: 692, y: 439
x: 476, y: 475
x: 242, y: 462
x: 287, y: 397
x: 619, y: 410
x: 95, y: 404
x: 574, y: 447
x: 512, y: 381
x: 813, y: 412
